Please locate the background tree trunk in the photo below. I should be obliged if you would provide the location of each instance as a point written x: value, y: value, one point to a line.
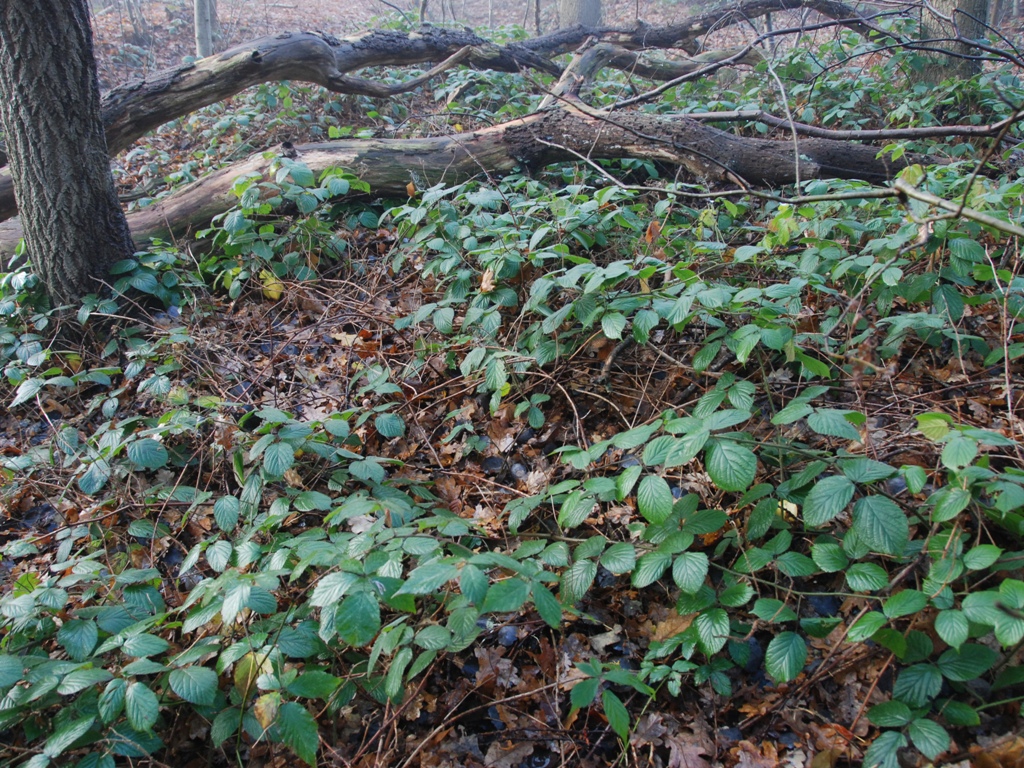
x: 50, y: 107
x: 205, y: 21
x: 963, y: 19
x: 584, y: 12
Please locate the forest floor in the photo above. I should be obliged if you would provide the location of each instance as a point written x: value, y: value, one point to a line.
x: 495, y: 704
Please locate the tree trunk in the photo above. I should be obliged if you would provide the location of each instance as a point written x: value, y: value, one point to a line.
x: 585, y: 13
x: 948, y: 27
x: 50, y: 108
x: 205, y: 21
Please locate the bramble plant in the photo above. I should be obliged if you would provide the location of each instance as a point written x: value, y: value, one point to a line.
x: 738, y: 479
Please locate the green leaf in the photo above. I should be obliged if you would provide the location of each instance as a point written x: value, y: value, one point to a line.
x: 712, y: 630
x: 952, y: 626
x: 866, y: 470
x: 827, y: 421
x: 575, y: 509
x: 67, y: 735
x: 225, y: 512
x: 619, y: 558
x: 917, y: 685
x: 866, y: 577
x: 736, y: 595
x: 584, y: 692
x: 650, y: 567
x: 506, y: 596
x: 332, y: 587
x: 929, y: 737
x: 81, y: 679
x: 866, y: 626
x: 654, y: 499
x: 358, y: 619
x: 891, y: 714
x: 967, y: 663
x: 884, y: 751
x: 547, y: 606
x: 111, y: 701
x: 278, y: 458
x: 141, y: 706
x: 689, y: 571
x: 78, y: 638
x: 785, y: 657
x: 196, y: 685
x: 317, y: 684
x: 829, y: 557
x: 390, y: 425
x: 881, y: 524
x: 981, y: 556
x: 958, y: 452
x: 771, y: 610
x: 299, y: 731
x: 731, y: 466
x: 615, y: 711
x: 958, y: 713
x: 827, y: 499
x: 428, y: 578
x: 147, y: 453
x: 309, y: 501
x: 948, y: 503
x: 904, y: 603
x: 613, y: 323
x: 795, y: 565
x: 626, y: 480
x: 576, y: 580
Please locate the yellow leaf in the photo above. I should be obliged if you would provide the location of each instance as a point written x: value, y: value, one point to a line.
x: 273, y: 288
x: 265, y: 709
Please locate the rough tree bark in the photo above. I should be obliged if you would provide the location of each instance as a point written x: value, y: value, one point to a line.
x: 586, y: 13
x: 49, y: 104
x: 949, y: 24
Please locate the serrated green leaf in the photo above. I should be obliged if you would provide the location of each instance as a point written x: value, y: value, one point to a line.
x: 772, y: 610
x: 506, y: 596
x: 615, y: 711
x: 731, y: 466
x: 712, y: 630
x: 785, y: 657
x: 141, y: 706
x: 278, y: 458
x: 576, y: 580
x: 619, y: 558
x: 689, y: 571
x: 958, y: 452
x: 390, y: 425
x: 225, y: 512
x: 826, y: 500
x: 196, y: 685
x: 891, y: 714
x: 829, y: 557
x: 833, y: 423
x: 881, y: 524
x: 111, y: 701
x: 357, y: 620
x: 949, y: 502
x: 650, y: 567
x: 654, y: 499
x: 952, y: 626
x: 918, y: 684
x: 866, y: 577
x: 317, y: 684
x: 584, y: 692
x: 67, y: 735
x: 428, y: 578
x: 147, y: 453
x: 884, y: 750
x: 78, y: 638
x: 981, y: 557
x: 866, y: 626
x: 299, y: 731
x: 929, y: 737
x: 547, y: 606
x: 613, y: 324
x: 968, y: 662
x: 904, y: 603
x: 81, y: 679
